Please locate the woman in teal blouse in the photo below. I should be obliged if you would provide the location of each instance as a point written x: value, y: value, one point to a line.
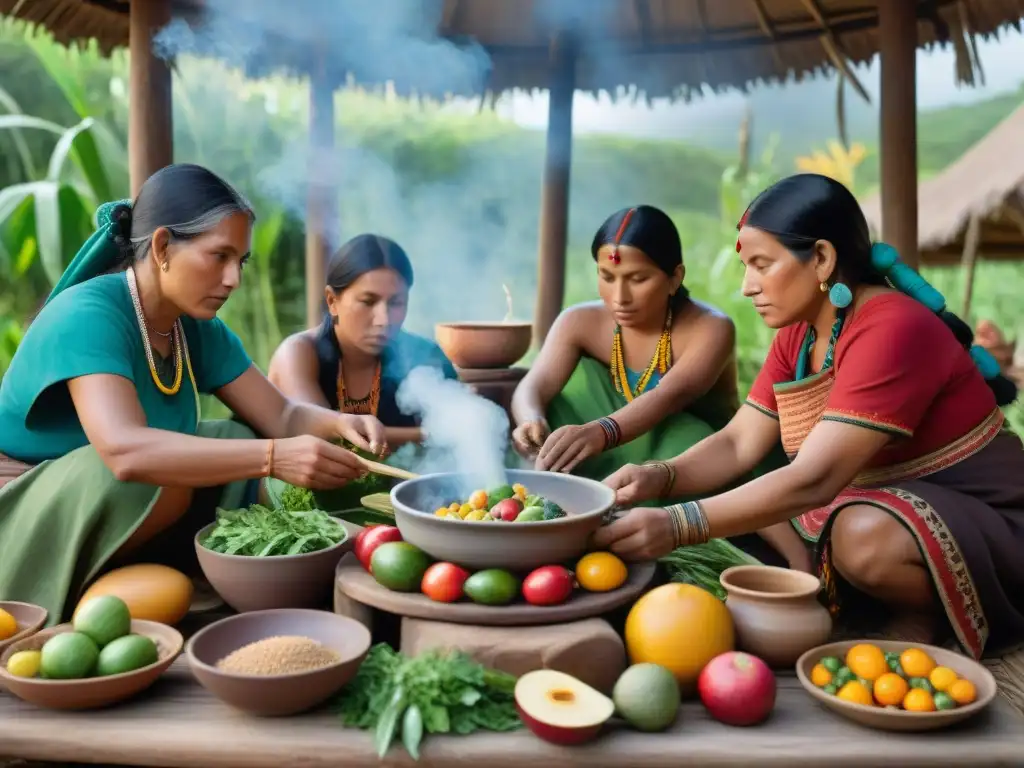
x: 102, y: 446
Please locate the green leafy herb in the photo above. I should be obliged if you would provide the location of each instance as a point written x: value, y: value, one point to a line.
x: 263, y: 532
x: 433, y: 693
x: 701, y: 565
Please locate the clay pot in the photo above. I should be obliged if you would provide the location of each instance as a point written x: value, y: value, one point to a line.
x: 776, y: 612
x: 484, y: 345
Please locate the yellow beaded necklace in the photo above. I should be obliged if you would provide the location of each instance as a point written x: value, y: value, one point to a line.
x: 661, y: 361
x: 182, y: 360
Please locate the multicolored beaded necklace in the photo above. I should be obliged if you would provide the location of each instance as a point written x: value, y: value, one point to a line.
x: 661, y: 361
x: 803, y: 362
x: 366, y: 406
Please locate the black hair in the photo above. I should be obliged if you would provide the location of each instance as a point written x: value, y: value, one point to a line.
x: 187, y: 200
x: 800, y: 210
x: 650, y: 230
x: 361, y: 254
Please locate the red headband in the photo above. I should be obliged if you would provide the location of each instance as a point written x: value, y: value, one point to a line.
x: 614, y: 257
x: 740, y: 225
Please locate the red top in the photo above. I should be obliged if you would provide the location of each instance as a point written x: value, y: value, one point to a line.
x: 898, y: 368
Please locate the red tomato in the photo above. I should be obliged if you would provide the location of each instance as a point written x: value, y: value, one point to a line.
x: 444, y: 582
x: 371, y: 538
x: 548, y: 585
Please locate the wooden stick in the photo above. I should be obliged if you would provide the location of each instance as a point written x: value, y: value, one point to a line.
x: 387, y: 470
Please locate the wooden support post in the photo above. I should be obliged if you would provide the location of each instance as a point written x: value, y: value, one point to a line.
x: 321, y: 204
x: 554, y: 206
x: 898, y: 40
x: 150, y: 123
x: 969, y: 261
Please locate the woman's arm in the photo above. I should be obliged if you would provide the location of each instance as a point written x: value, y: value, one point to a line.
x: 710, y: 346
x: 829, y: 459
x: 554, y: 365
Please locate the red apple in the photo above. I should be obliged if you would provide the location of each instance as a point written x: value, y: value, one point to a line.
x: 507, y: 510
x: 370, y: 538
x: 548, y: 585
x: 444, y: 582
x: 559, y: 708
x: 737, y: 688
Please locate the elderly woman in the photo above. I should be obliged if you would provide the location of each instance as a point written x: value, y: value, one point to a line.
x: 103, y: 447
x: 900, y: 476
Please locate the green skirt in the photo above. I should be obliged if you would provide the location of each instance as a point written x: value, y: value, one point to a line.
x: 62, y: 521
x: 590, y: 394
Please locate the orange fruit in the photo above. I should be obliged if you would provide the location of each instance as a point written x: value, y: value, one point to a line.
x: 963, y: 692
x: 918, y: 700
x: 478, y: 499
x: 8, y: 625
x: 916, y: 663
x: 855, y: 693
x: 890, y: 689
x: 820, y: 675
x: 941, y: 678
x: 867, y: 661
x: 600, y: 572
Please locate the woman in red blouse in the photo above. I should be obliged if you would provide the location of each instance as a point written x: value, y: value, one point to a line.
x: 901, y: 478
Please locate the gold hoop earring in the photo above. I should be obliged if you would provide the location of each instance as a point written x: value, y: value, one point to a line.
x: 823, y: 287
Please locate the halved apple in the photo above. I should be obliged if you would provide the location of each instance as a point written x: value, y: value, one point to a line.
x: 559, y: 708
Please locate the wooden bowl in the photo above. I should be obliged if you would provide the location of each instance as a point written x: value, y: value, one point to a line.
x: 513, y: 546
x: 277, y: 695
x: 279, y: 581
x: 484, y: 345
x: 30, y: 618
x: 898, y: 719
x: 92, y: 692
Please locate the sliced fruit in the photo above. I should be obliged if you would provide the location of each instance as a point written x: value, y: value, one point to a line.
x: 399, y: 566
x: 559, y: 708
x: 104, y: 619
x: 126, y: 654
x: 68, y: 656
x: 647, y: 697
x: 24, y: 663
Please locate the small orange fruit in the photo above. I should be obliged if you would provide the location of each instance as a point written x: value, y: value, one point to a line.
x: 867, y: 661
x: 855, y: 693
x: 941, y: 678
x: 478, y: 499
x: 890, y: 689
x: 601, y: 572
x: 820, y: 675
x: 963, y: 692
x: 916, y: 663
x: 918, y: 700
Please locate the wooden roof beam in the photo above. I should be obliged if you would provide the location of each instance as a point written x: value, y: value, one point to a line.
x: 834, y: 49
x: 768, y: 27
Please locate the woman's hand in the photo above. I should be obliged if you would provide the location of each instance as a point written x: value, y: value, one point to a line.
x: 528, y: 438
x: 637, y: 483
x: 309, y: 462
x: 642, y: 534
x: 364, y: 432
x: 569, y: 445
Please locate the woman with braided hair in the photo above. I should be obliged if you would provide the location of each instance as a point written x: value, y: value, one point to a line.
x: 103, y: 450
x: 901, y: 477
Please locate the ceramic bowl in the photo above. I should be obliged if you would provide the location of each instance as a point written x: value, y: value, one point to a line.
x: 280, y: 581
x: 897, y: 719
x: 30, y: 619
x: 484, y: 345
x: 514, y: 546
x: 277, y: 695
x: 776, y: 612
x: 92, y: 692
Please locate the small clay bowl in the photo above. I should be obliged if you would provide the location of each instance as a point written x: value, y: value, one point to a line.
x: 279, y: 581
x: 277, y: 695
x: 898, y: 719
x: 30, y: 619
x: 91, y: 692
x: 484, y: 345
x: 776, y: 612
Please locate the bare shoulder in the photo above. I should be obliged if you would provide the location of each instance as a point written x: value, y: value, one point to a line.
x: 582, y: 317
x: 701, y: 317
x: 299, y: 348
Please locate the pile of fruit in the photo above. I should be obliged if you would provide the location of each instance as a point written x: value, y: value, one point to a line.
x: 910, y: 681
x: 100, y: 644
x: 507, y: 503
x: 402, y: 567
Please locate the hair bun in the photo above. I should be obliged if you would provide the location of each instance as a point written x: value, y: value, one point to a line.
x: 121, y: 217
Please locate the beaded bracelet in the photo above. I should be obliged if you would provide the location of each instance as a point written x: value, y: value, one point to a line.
x: 670, y: 473
x: 612, y: 432
x: 689, y: 523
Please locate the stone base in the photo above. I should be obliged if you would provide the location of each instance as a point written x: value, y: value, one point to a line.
x: 589, y: 650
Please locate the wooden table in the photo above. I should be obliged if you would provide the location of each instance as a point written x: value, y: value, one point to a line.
x: 177, y: 723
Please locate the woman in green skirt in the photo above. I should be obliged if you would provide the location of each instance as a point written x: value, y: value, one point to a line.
x: 102, y: 446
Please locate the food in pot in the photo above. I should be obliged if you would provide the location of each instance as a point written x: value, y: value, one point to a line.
x: 278, y: 655
x: 505, y: 503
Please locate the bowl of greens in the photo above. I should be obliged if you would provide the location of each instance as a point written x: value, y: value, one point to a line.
x: 278, y: 556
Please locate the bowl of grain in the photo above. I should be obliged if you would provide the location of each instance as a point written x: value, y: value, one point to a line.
x: 277, y: 662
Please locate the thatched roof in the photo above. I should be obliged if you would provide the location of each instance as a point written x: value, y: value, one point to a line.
x: 986, y: 181
x: 654, y: 47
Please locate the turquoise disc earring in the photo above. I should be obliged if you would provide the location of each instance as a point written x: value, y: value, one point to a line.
x: 840, y: 296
